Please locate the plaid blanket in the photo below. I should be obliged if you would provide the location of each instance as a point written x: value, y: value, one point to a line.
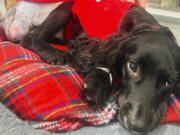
x: 47, y: 96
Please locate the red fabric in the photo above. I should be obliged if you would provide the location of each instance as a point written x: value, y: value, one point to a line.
x: 46, y: 96
x: 60, y: 47
x: 99, y: 18
x: 173, y: 111
x: 44, y: 1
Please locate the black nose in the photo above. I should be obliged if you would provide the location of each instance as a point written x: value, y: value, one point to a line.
x: 136, y: 117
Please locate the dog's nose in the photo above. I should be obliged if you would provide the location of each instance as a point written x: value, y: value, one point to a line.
x: 138, y: 129
x: 136, y: 118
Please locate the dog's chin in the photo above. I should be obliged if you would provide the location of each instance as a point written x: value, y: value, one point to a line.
x: 125, y: 125
x: 157, y: 120
x: 128, y: 128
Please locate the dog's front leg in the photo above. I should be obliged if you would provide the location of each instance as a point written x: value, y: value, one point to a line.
x: 39, y: 38
x: 91, y: 63
x: 97, y: 86
x: 47, y: 53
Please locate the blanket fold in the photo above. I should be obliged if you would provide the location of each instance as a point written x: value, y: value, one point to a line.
x: 44, y: 95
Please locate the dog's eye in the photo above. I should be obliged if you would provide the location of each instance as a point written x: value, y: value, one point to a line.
x: 132, y: 66
x: 169, y: 82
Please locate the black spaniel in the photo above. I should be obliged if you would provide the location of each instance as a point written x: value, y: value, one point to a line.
x: 142, y: 54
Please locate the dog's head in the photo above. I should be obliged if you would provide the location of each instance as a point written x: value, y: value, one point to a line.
x: 147, y: 58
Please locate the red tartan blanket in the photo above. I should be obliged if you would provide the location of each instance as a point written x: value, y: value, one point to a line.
x: 47, y: 96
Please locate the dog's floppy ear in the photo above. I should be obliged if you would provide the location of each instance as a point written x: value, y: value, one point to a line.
x: 168, y: 32
x: 128, y: 21
x: 177, y: 89
x: 135, y: 16
x: 120, y: 49
x: 177, y: 85
x: 126, y: 24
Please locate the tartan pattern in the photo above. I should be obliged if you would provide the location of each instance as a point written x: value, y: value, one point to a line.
x: 173, y: 112
x: 47, y: 96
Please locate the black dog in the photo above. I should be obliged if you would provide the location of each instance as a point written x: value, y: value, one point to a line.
x: 142, y: 54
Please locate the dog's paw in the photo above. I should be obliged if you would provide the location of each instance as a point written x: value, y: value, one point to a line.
x: 54, y: 58
x: 97, y: 87
x: 45, y: 51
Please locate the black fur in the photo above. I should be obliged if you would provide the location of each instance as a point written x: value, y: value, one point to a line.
x: 141, y: 53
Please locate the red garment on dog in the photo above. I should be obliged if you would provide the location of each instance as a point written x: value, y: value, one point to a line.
x: 99, y: 18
